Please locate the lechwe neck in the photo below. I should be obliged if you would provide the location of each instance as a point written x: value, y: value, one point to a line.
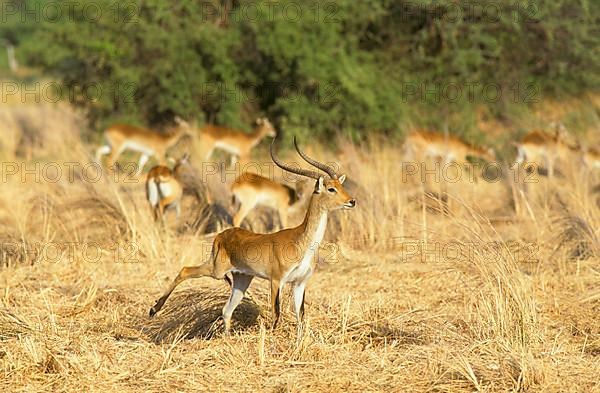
x: 313, y: 227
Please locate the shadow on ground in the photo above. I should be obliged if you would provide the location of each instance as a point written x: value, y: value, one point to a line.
x: 196, y: 313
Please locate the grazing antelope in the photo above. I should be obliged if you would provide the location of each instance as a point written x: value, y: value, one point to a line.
x: 251, y: 190
x: 120, y: 137
x: 543, y: 149
x: 237, y: 143
x: 424, y: 144
x: 287, y: 256
x: 164, y: 188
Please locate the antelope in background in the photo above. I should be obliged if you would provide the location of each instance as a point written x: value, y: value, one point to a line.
x: 235, y: 142
x: 424, y: 144
x: 287, y: 256
x: 251, y: 189
x: 149, y: 143
x: 544, y: 149
x: 164, y: 188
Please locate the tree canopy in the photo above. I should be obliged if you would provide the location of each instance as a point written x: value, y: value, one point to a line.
x: 320, y: 67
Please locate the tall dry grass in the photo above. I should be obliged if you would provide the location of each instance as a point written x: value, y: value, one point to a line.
x: 493, y: 289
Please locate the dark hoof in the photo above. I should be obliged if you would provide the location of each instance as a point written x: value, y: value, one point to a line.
x: 157, y: 306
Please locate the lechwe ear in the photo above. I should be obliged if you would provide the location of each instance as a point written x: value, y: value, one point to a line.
x: 342, y: 179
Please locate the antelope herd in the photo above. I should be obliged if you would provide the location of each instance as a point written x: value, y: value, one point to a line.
x: 231, y: 250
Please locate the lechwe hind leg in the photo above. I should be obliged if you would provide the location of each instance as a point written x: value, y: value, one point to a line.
x: 143, y: 160
x: 186, y: 273
x: 241, y: 282
x: 102, y: 151
x: 114, y: 155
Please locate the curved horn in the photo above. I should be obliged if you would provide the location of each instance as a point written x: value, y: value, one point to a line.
x: 284, y: 166
x: 326, y: 168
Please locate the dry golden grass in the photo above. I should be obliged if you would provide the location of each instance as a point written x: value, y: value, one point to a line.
x: 483, y: 298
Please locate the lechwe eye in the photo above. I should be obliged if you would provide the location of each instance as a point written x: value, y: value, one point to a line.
x: 332, y: 190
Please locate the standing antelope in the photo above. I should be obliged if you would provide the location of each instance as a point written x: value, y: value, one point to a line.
x: 251, y: 190
x: 164, y: 188
x: 424, y: 144
x: 237, y: 143
x: 287, y: 256
x: 543, y: 149
x: 120, y: 137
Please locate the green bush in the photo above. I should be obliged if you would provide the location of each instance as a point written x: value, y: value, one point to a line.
x: 314, y: 67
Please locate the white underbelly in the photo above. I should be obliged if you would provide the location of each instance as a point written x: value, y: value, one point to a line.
x: 265, y: 200
x: 228, y: 148
x: 248, y: 272
x: 135, y: 146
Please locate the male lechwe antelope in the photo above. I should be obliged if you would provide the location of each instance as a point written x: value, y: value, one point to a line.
x: 235, y: 142
x: 120, y: 137
x: 250, y: 189
x: 164, y: 188
x: 544, y: 149
x: 287, y: 256
x: 424, y: 144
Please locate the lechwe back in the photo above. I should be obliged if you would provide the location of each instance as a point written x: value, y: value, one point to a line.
x: 421, y: 145
x: 287, y: 256
x: 235, y: 142
x: 121, y: 137
x: 250, y: 190
x: 544, y: 149
x: 164, y: 188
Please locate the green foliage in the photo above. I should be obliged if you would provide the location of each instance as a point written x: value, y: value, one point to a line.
x: 314, y: 67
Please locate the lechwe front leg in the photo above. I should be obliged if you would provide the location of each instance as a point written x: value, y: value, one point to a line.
x: 275, y: 302
x: 299, y: 292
